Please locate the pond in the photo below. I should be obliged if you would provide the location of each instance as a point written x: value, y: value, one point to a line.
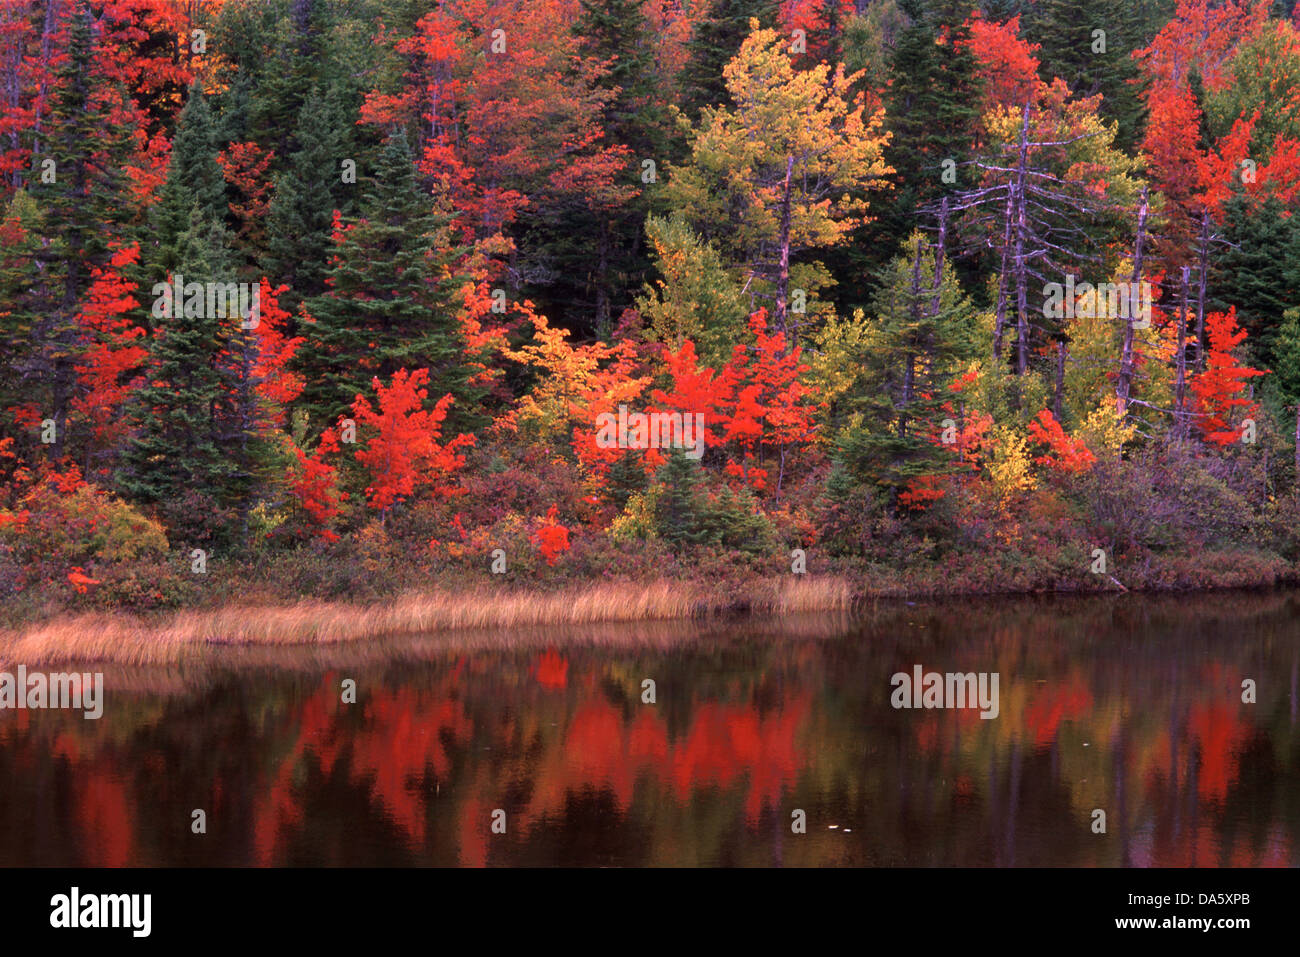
x: 758, y: 743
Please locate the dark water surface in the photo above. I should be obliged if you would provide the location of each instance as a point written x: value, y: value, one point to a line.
x: 1131, y: 705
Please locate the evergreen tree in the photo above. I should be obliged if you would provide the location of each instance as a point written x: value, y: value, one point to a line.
x: 598, y: 256
x: 26, y: 292
x: 1286, y: 365
x: 288, y: 76
x: 914, y: 346
x: 83, y: 197
x: 1259, y: 272
x: 681, y: 513
x: 1205, y: 139
x: 931, y: 112
x: 1093, y: 62
x: 194, y: 182
x: 190, y: 454
x: 392, y: 301
x: 932, y: 105
x: 615, y: 32
x: 714, y: 41
x: 302, y: 207
x: 695, y: 297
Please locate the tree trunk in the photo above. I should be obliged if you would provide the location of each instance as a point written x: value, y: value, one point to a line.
x: 1180, y: 380
x: 1124, y: 386
x: 1000, y: 323
x: 909, y: 367
x: 1204, y: 256
x: 1297, y: 446
x: 939, y: 248
x: 1022, y: 279
x: 1058, y: 398
x: 783, y: 265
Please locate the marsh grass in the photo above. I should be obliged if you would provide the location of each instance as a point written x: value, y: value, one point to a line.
x: 167, y: 639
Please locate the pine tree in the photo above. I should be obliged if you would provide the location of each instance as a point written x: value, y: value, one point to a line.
x: 392, y: 301
x: 1072, y: 49
x: 714, y: 41
x: 302, y: 207
x: 194, y: 182
x: 917, y: 342
x: 190, y: 455
x: 84, y: 206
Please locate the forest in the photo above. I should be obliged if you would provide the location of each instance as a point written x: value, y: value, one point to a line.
x: 336, y: 298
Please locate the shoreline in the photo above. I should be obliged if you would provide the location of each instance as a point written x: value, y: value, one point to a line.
x: 166, y: 636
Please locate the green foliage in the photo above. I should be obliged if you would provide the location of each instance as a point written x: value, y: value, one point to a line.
x: 677, y: 510
x: 194, y: 188
x: 84, y: 206
x: 1071, y: 49
x: 392, y: 302
x: 696, y: 298
x: 1286, y: 366
x: 714, y: 41
x: 915, y: 345
x: 1266, y: 63
x: 194, y: 432
x: 784, y: 172
x: 1259, y: 271
x: 305, y: 197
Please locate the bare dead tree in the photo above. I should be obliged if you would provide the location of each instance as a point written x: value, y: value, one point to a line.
x: 1124, y: 385
x: 1033, y: 219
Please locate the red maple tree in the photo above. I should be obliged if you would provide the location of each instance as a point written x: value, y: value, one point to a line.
x: 404, y: 453
x: 1222, y: 395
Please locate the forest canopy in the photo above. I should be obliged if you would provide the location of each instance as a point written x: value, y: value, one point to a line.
x: 970, y: 295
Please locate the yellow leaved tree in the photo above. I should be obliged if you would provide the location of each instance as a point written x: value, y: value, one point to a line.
x: 784, y: 171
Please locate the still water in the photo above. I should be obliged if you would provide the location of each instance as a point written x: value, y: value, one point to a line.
x: 1130, y: 705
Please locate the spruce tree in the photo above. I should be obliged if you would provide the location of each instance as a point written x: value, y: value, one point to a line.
x: 931, y: 111
x: 1092, y: 62
x: 681, y: 514
x: 916, y: 342
x: 303, y: 203
x: 189, y: 455
x: 597, y: 257
x: 288, y: 76
x: 715, y: 40
x: 193, y: 180
x: 26, y: 293
x: 392, y: 302
x: 84, y: 200
x: 1259, y: 272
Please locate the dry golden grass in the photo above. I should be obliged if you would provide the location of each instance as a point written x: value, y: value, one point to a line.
x: 134, y: 640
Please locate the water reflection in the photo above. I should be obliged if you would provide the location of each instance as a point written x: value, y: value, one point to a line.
x: 1129, y: 705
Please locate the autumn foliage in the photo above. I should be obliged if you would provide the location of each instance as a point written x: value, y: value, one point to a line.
x: 1222, y: 391
x: 403, y: 452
